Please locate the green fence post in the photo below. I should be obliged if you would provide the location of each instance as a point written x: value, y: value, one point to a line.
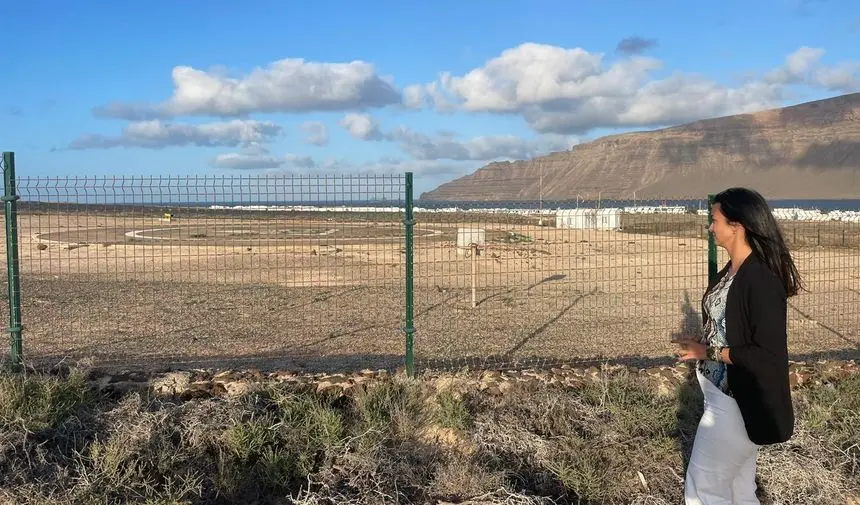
x: 13, y: 268
x: 712, y: 244
x: 409, y: 328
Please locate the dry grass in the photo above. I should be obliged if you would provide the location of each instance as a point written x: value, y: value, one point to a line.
x: 396, y: 441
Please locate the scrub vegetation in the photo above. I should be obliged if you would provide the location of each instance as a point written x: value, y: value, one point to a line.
x: 396, y: 440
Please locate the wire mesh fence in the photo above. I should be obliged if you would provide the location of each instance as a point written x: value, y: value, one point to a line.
x: 542, y: 287
x: 220, y: 271
x: 312, y: 272
x: 602, y: 280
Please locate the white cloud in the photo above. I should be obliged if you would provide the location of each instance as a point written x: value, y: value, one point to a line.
x: 399, y: 166
x: 844, y: 77
x: 256, y: 157
x: 155, y: 134
x: 414, y: 97
x: 316, y: 133
x: 361, y: 126
x: 260, y: 159
x: 804, y: 67
x: 560, y: 90
x: 288, y: 85
x: 797, y: 66
x: 246, y: 161
x: 533, y: 74
x: 447, y: 147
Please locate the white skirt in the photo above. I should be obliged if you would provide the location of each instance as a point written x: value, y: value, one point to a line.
x: 723, y: 463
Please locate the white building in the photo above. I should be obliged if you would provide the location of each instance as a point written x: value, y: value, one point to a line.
x: 588, y: 219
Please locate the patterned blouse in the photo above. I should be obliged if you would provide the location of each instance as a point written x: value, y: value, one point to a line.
x: 715, y: 333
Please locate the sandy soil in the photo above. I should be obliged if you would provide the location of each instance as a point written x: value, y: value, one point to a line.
x: 328, y: 293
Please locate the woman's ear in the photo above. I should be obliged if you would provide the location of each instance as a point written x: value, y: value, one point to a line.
x: 736, y: 227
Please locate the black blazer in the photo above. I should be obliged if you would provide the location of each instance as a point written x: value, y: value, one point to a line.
x: 756, y: 330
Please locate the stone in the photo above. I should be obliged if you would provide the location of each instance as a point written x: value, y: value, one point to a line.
x: 195, y: 394
x: 284, y: 376
x: 491, y: 375
x: 239, y: 388
x: 225, y: 376
x: 505, y: 387
x: 218, y: 389
x: 327, y: 387
x: 171, y: 384
x: 795, y: 379
x: 494, y: 390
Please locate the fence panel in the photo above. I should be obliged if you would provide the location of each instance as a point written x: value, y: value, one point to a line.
x: 300, y: 271
x: 824, y: 319
x: 543, y: 286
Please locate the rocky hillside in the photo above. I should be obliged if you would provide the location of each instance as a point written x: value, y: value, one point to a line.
x: 811, y: 150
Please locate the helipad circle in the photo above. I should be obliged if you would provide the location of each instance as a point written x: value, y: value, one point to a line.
x: 233, y: 233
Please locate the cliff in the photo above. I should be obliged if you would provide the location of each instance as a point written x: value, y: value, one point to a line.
x: 811, y: 150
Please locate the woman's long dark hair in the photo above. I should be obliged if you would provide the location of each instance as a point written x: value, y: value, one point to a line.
x: 748, y: 208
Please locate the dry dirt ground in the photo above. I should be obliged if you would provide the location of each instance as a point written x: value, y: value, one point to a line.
x: 327, y: 292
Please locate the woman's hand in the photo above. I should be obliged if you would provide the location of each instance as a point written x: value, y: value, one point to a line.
x: 691, y: 349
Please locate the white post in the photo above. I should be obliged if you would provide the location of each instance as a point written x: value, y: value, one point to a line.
x: 474, y: 247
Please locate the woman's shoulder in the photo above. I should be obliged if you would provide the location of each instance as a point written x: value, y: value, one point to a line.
x: 759, y: 276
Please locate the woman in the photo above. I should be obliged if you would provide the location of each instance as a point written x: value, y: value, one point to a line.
x: 742, y: 358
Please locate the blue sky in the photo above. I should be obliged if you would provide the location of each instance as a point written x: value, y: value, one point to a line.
x: 439, y: 88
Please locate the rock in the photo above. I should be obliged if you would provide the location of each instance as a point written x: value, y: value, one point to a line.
x: 197, y: 393
x: 491, y: 375
x: 795, y: 378
x: 505, y: 387
x: 239, y: 388
x: 171, y: 384
x: 284, y: 376
x: 226, y: 376
x: 329, y: 387
x: 485, y: 384
x: 194, y: 384
x: 334, y: 384
x: 494, y: 390
x: 573, y: 381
